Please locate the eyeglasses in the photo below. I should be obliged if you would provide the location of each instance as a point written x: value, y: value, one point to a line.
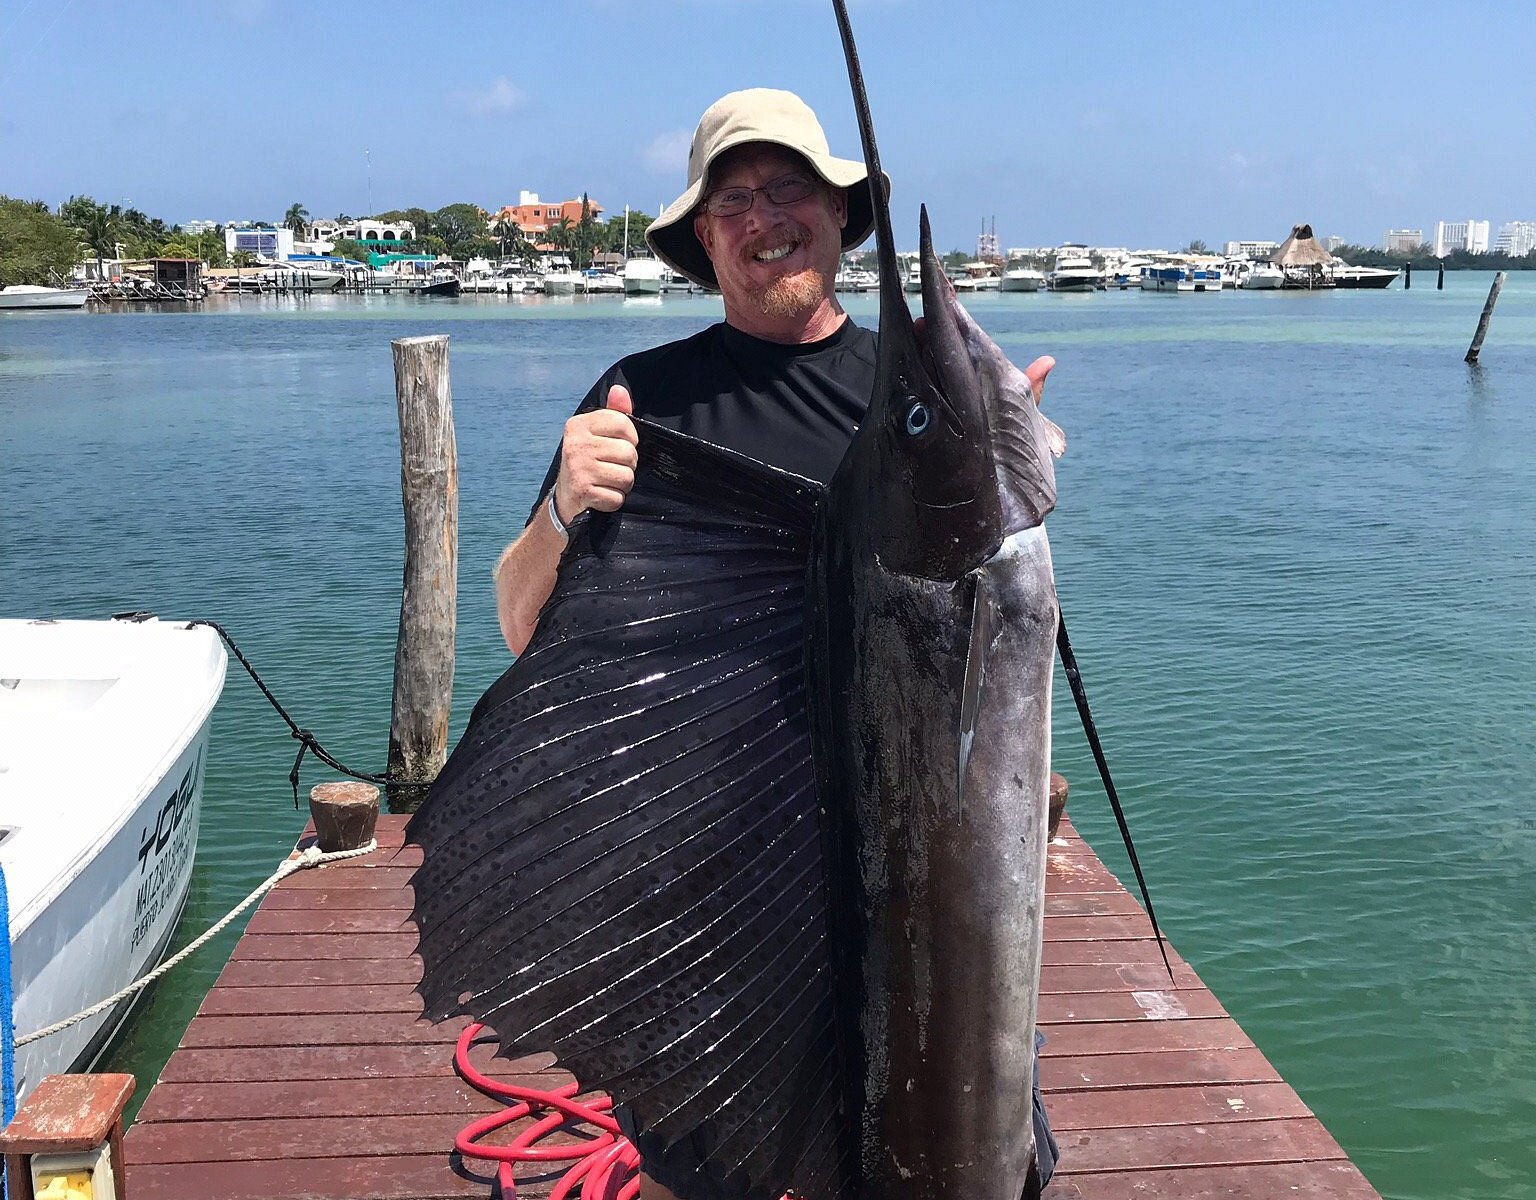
x: 732, y: 202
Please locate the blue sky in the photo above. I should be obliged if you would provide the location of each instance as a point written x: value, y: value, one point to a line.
x: 1115, y: 123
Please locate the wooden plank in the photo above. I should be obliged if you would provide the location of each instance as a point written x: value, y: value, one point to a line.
x: 352, y: 873
x: 311, y: 1137
x: 206, y: 1101
x: 1091, y: 904
x: 1143, y: 952
x: 1308, y: 1181
x: 1213, y: 1104
x: 267, y: 1064
x: 309, y: 1001
x: 1162, y: 1068
x: 388, y: 899
x: 240, y: 972
x: 405, y: 1177
x: 1107, y: 977
x: 335, y: 920
x: 1135, y: 1005
x: 1140, y: 1037
x: 301, y: 947
x: 210, y: 1032
x: 1150, y: 1148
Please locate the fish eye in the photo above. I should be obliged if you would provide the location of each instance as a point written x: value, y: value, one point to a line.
x: 918, y: 418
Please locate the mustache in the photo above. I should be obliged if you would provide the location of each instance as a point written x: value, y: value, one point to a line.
x: 775, y: 238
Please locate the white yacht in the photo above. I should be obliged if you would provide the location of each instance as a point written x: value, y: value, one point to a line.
x: 31, y: 296
x: 642, y: 276
x: 1261, y: 277
x: 103, y: 741
x: 1074, y: 271
x: 561, y: 283
x: 672, y: 282
x: 1022, y: 279
x: 596, y: 282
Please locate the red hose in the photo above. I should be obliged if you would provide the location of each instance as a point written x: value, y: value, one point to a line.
x: 605, y: 1164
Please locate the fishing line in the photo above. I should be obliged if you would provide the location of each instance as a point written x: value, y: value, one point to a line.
x: 1080, y: 696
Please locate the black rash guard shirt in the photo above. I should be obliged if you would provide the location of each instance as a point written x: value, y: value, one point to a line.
x: 795, y: 407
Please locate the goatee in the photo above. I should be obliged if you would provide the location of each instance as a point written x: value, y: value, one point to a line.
x: 791, y: 295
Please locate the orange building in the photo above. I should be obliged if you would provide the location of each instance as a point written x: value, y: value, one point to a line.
x: 534, y: 216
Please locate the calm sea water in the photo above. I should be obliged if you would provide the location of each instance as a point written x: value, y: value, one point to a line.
x: 1296, y: 542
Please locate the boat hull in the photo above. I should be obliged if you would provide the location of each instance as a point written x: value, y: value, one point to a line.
x: 103, y: 741
x: 14, y: 299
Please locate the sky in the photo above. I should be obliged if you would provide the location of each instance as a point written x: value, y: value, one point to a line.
x: 1134, y: 124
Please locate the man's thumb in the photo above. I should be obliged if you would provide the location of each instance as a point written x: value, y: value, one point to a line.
x: 618, y: 399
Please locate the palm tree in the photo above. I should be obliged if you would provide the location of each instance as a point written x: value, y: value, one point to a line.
x: 559, y: 234
x: 100, y: 232
x: 506, y: 230
x: 296, y: 218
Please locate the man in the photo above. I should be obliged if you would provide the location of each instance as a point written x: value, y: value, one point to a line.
x: 785, y: 379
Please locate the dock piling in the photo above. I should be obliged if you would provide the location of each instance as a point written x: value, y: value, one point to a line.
x: 1482, y: 322
x: 1440, y: 277
x: 429, y: 483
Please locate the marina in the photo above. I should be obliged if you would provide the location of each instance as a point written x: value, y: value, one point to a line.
x: 1340, y: 802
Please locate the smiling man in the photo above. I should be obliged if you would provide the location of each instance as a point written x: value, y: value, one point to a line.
x: 785, y: 378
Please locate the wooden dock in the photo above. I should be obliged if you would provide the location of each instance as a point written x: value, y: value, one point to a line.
x: 306, y: 1073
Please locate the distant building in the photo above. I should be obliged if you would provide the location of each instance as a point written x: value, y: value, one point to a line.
x: 200, y: 227
x: 1450, y: 236
x: 390, y: 235
x: 534, y: 216
x: 264, y: 241
x: 1516, y: 238
x: 1258, y: 251
x: 1402, y: 241
x: 1331, y: 244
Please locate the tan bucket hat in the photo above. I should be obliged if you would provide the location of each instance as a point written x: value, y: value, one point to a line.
x: 755, y: 115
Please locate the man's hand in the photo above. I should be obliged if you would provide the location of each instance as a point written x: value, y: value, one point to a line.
x: 597, y: 458
x: 1036, y: 373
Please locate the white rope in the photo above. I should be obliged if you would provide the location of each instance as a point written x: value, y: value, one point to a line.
x: 311, y: 857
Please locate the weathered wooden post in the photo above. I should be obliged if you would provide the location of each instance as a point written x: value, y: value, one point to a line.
x: 345, y: 814
x: 1482, y: 322
x: 429, y: 483
x: 1057, y: 804
x: 70, y: 1127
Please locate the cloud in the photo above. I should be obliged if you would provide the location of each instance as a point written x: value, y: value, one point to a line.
x: 501, y: 96
x: 668, y: 152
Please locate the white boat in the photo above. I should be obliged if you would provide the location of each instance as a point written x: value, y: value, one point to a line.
x: 595, y: 282
x: 1022, y: 279
x: 1261, y: 277
x: 673, y: 282
x: 30, y: 296
x: 1180, y: 277
x: 103, y: 739
x: 856, y: 279
x: 642, y: 276
x: 295, y: 277
x: 561, y: 283
x: 1346, y: 276
x: 914, y: 279
x: 1074, y: 271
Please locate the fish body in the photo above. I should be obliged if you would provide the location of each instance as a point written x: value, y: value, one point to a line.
x: 930, y: 665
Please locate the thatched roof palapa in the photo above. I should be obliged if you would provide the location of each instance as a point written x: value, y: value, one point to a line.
x: 1301, y: 249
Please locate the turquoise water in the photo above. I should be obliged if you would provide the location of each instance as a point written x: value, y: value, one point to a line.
x: 1296, y: 544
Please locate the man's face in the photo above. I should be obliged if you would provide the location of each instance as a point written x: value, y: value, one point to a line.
x: 747, y: 250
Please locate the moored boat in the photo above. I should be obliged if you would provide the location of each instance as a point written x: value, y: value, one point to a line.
x: 642, y: 276
x: 1074, y: 271
x: 1261, y: 277
x: 1022, y: 279
x: 103, y: 741
x: 1346, y: 276
x: 31, y: 297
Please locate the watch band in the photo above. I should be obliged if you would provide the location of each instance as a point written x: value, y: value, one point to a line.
x: 554, y: 517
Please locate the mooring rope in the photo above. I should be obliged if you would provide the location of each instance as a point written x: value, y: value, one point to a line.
x: 311, y: 857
